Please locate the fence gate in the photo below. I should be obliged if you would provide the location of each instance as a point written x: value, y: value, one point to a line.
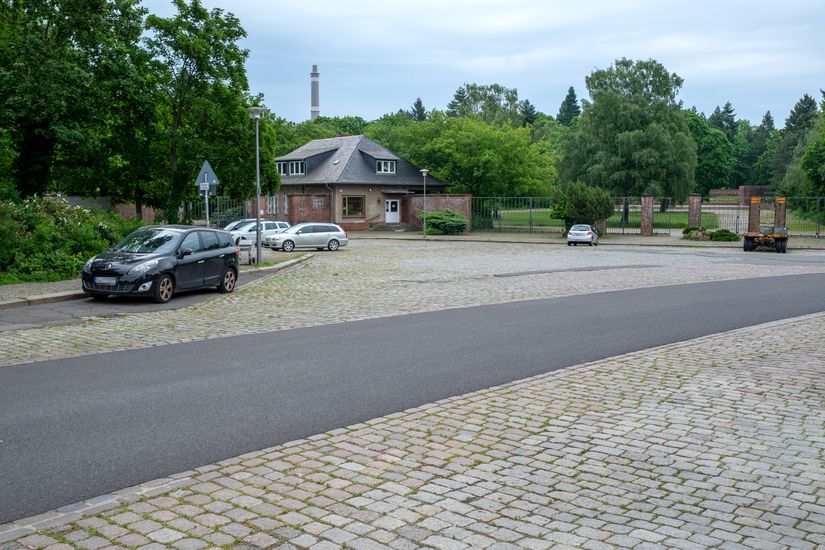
x: 515, y: 215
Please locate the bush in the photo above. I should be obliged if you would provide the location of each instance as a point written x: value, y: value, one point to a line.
x: 444, y: 222
x: 578, y: 202
x: 47, y: 239
x: 723, y: 235
x: 689, y: 230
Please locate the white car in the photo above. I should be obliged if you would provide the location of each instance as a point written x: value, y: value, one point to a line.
x: 246, y: 234
x: 581, y: 233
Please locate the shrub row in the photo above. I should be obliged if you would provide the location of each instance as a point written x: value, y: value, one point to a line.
x: 47, y: 239
x: 701, y: 234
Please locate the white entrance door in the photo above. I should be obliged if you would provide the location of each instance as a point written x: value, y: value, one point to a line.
x: 391, y: 212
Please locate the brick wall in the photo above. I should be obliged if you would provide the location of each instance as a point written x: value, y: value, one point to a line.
x: 411, y: 205
x: 308, y: 208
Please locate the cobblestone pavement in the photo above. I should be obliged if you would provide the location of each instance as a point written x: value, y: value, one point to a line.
x: 376, y: 278
x: 714, y: 442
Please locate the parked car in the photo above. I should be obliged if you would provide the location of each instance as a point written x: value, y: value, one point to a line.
x: 232, y: 226
x: 159, y: 260
x: 581, y: 233
x: 308, y: 235
x: 246, y: 234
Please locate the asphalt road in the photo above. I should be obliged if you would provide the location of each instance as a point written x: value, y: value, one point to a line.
x: 76, y: 428
x: 74, y: 311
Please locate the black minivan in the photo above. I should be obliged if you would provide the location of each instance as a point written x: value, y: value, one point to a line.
x: 158, y: 260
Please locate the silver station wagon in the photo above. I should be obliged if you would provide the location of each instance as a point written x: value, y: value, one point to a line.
x: 308, y: 235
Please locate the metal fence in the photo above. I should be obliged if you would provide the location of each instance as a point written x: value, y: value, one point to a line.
x: 222, y: 210
x: 805, y: 216
x: 515, y: 215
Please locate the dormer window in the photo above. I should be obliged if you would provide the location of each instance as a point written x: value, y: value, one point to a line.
x: 292, y: 168
x: 385, y: 167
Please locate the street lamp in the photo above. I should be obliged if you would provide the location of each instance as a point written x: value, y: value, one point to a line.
x: 424, y: 173
x: 257, y: 113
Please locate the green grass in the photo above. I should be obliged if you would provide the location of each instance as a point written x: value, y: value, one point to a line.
x: 663, y: 220
x: 725, y: 199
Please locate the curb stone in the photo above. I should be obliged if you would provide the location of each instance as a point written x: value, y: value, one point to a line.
x: 79, y: 294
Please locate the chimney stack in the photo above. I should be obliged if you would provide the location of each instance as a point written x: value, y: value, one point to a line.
x: 315, y: 105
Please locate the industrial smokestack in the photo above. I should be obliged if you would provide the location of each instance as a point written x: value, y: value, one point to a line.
x: 315, y: 106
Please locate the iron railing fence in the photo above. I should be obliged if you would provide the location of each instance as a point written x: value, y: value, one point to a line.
x: 627, y: 216
x: 804, y: 216
x: 515, y: 215
x: 222, y: 210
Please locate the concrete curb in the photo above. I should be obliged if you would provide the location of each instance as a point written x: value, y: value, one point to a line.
x: 79, y: 294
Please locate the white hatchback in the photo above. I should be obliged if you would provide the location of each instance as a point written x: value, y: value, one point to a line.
x: 581, y: 233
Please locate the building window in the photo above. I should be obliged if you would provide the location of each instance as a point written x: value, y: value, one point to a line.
x: 296, y: 168
x: 353, y: 207
x: 385, y: 167
x: 282, y: 168
x: 272, y: 205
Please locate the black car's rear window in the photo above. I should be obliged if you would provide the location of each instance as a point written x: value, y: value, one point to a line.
x: 155, y: 240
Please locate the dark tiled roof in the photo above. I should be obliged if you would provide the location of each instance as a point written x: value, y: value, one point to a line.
x: 351, y: 159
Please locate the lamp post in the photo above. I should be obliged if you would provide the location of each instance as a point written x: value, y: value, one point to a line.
x: 257, y: 113
x: 424, y: 173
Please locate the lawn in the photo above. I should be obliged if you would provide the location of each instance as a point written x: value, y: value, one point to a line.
x: 540, y: 219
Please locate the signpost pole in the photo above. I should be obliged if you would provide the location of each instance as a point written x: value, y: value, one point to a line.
x: 206, y: 198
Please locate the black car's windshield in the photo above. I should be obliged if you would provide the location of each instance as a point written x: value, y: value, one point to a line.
x: 156, y: 240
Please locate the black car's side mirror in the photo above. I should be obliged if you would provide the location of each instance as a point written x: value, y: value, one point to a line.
x: 185, y: 252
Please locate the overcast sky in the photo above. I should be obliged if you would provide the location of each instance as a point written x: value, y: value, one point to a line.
x: 377, y: 56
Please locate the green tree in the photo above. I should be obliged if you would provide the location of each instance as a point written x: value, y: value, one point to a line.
x: 632, y: 136
x: 417, y: 112
x: 528, y: 113
x: 61, y: 77
x: 780, y: 155
x: 493, y: 103
x: 477, y: 158
x: 576, y: 202
x: 725, y: 119
x: 569, y: 108
x: 201, y: 86
x: 813, y: 161
x: 714, y: 153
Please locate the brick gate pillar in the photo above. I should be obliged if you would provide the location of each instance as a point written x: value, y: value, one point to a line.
x: 646, y: 228
x: 695, y: 210
x: 601, y: 225
x: 753, y: 214
x: 779, y: 212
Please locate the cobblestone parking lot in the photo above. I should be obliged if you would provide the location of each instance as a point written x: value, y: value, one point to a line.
x: 713, y: 442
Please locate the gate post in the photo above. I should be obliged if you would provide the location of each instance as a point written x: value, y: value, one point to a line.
x: 753, y: 214
x: 779, y: 210
x: 694, y: 210
x: 646, y: 227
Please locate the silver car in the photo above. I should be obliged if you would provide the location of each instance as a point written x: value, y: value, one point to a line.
x: 308, y: 235
x: 581, y: 233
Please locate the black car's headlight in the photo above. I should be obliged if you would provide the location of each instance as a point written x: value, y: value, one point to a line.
x: 87, y: 267
x: 142, y: 268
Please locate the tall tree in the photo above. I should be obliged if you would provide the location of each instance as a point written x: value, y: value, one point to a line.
x: 528, y: 113
x: 780, y: 155
x: 61, y: 62
x: 492, y: 103
x: 569, y: 108
x: 201, y: 78
x: 632, y: 136
x: 724, y: 119
x: 417, y: 112
x: 714, y: 154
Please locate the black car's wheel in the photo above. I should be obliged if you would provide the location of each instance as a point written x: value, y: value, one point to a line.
x: 288, y: 246
x: 164, y: 289
x: 228, y: 281
x: 333, y: 245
